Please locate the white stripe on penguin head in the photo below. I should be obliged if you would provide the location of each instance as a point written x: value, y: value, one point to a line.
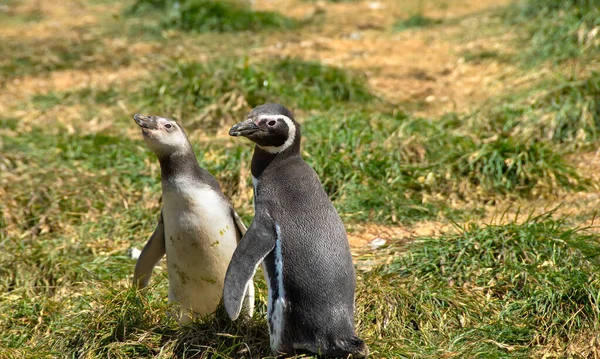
x: 291, y: 134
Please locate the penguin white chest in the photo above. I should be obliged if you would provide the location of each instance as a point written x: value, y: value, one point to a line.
x: 200, y: 238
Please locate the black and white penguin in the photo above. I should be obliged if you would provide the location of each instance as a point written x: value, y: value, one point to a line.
x: 301, y: 242
x: 198, y: 229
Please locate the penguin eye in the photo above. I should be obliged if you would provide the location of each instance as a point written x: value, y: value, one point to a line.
x: 272, y: 123
x: 167, y: 126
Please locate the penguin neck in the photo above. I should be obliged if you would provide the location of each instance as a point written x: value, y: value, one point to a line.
x: 261, y: 159
x: 179, y: 163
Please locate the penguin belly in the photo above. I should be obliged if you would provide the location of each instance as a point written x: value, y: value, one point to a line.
x: 200, y: 238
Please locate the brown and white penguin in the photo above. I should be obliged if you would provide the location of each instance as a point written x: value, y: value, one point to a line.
x: 198, y: 228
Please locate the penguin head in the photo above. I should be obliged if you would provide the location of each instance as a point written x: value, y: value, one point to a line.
x: 271, y: 126
x: 163, y: 135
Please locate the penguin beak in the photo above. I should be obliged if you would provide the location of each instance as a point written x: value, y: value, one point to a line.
x: 148, y: 122
x: 245, y: 128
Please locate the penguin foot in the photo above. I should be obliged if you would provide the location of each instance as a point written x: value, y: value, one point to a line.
x: 353, y: 348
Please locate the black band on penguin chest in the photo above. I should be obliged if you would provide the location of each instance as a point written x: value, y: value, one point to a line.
x: 260, y: 161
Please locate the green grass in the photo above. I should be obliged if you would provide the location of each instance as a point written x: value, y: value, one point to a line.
x: 461, y: 162
x: 509, y: 165
x: 383, y: 167
x: 85, y: 95
x: 211, y: 15
x: 476, y: 292
x: 367, y: 180
x: 491, y: 291
x: 556, y: 31
x: 8, y: 15
x: 209, y: 91
x: 572, y: 111
x: 416, y: 21
x: 8, y: 122
x: 483, y: 55
x: 375, y: 166
x: 20, y: 57
x: 562, y: 112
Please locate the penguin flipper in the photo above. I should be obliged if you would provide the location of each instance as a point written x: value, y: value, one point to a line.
x: 256, y: 244
x: 153, y: 251
x: 239, y: 223
x: 249, y: 297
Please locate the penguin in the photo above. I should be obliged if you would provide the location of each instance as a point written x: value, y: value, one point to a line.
x: 300, y: 239
x: 198, y: 229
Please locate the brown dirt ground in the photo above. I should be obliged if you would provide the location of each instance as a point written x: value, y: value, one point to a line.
x: 424, y: 70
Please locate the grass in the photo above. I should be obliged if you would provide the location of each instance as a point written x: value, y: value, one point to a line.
x: 365, y: 179
x: 416, y: 21
x: 85, y: 95
x: 483, y: 55
x: 9, y: 16
x: 563, y: 112
x: 376, y: 166
x: 507, y: 165
x: 29, y: 57
x: 79, y: 189
x: 385, y: 167
x: 211, y: 15
x: 572, y: 111
x: 82, y: 47
x: 557, y: 31
x: 496, y: 290
x: 493, y: 291
x: 207, y: 92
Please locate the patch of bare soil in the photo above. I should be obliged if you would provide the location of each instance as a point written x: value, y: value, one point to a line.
x: 371, y: 236
x: 70, y: 80
x: 50, y: 19
x: 69, y: 116
x: 423, y: 66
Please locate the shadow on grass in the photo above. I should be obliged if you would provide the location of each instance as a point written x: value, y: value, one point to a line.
x: 220, y: 336
x: 211, y: 15
x: 416, y: 21
x: 123, y: 322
